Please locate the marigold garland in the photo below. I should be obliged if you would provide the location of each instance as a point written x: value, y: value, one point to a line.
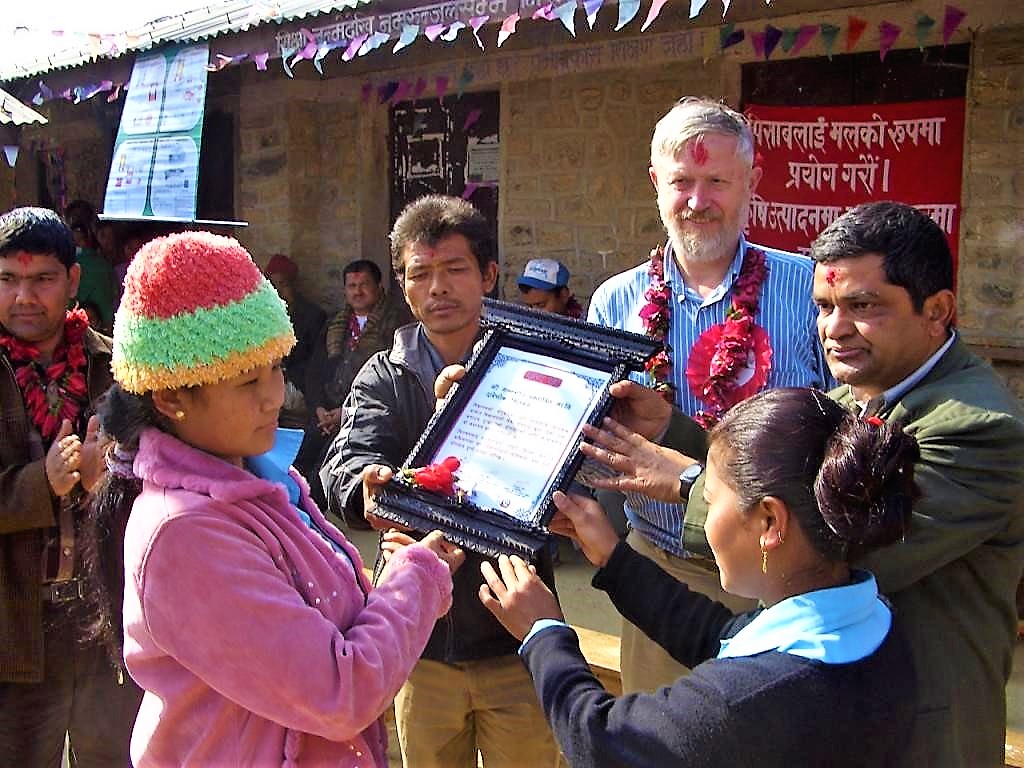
x: 56, y: 391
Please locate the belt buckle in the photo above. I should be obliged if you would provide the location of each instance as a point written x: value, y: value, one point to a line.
x: 62, y: 591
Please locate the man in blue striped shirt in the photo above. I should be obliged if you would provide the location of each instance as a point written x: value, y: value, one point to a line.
x: 702, y: 167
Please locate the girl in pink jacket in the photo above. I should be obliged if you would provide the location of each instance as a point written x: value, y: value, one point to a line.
x: 246, y: 616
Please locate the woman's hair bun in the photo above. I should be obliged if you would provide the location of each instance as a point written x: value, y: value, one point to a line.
x: 865, y: 489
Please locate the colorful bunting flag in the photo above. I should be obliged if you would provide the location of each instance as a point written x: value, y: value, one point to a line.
x: 373, y: 42
x: 475, y: 24
x: 421, y: 86
x: 260, y: 59
x: 544, y: 13
x: 804, y: 35
x: 286, y: 54
x: 453, y: 31
x: 725, y: 7
x: 951, y: 22
x: 887, y: 36
x: 11, y: 153
x: 465, y: 79
x: 403, y: 89
x: 566, y: 13
x: 788, y: 38
x: 442, y: 85
x: 508, y: 28
x: 652, y: 14
x: 114, y: 94
x: 728, y: 36
x: 923, y: 28
x: 353, y: 47
x: 433, y: 31
x: 854, y: 29
x: 696, y: 6
x: 386, y: 91
x: 592, y: 7
x: 829, y: 33
x: 471, y: 119
x: 757, y: 43
x: 772, y: 35
x: 409, y: 33
x: 627, y: 10
x: 471, y: 187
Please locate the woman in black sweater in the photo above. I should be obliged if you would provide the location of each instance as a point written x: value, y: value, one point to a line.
x: 820, y: 676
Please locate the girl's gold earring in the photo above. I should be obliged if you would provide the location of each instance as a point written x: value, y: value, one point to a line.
x: 764, y: 560
x: 179, y: 415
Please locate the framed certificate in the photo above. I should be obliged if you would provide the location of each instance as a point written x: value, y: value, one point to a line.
x: 512, y: 429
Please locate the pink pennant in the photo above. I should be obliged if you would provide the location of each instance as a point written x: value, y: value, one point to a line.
x: 421, y: 86
x: 508, y: 28
x: 471, y: 187
x: 353, y: 47
x: 471, y: 119
x: 308, y: 51
x: 475, y: 23
x: 261, y: 61
x: 887, y: 35
x: 652, y: 14
x: 544, y: 12
x: 114, y: 94
x: 403, y: 89
x: 433, y: 31
x: 442, y: 85
x: 951, y: 22
x: 804, y: 35
x: 757, y: 41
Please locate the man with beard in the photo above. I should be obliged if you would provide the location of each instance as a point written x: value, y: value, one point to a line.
x: 710, y: 296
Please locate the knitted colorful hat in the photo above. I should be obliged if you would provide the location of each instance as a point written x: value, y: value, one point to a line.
x: 195, y: 310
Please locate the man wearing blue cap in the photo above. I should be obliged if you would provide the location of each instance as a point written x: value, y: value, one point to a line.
x: 544, y: 285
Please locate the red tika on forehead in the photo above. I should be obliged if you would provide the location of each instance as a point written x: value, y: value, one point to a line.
x: 698, y: 151
x: 25, y: 258
x: 831, y: 276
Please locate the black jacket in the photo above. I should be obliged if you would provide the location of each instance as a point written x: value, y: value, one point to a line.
x: 391, y: 401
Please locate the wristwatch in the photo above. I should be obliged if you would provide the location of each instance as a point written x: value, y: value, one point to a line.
x: 687, y: 478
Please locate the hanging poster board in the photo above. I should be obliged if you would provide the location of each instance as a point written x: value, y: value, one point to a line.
x: 155, y: 169
x: 821, y: 161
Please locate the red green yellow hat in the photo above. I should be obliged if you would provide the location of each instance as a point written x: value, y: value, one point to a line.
x: 196, y: 310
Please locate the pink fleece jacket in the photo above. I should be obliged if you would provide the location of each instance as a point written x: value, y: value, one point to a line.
x: 249, y: 633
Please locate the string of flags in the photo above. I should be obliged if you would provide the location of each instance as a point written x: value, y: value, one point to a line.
x: 764, y: 42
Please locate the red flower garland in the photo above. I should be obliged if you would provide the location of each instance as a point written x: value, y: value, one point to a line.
x: 730, y: 361
x: 57, y: 391
x: 655, y: 315
x: 355, y: 331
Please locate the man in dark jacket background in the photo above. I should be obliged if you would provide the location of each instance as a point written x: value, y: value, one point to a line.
x: 469, y: 690
x: 52, y: 370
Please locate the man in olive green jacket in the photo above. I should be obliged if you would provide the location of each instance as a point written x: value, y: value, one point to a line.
x: 883, y: 285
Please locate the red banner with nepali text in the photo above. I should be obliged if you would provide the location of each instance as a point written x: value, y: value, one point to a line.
x: 821, y: 161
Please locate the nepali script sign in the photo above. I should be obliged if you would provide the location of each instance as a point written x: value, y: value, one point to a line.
x: 821, y: 161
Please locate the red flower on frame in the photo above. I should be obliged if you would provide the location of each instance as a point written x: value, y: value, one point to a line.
x: 437, y: 478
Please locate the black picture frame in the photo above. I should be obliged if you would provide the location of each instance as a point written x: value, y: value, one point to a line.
x: 524, y: 335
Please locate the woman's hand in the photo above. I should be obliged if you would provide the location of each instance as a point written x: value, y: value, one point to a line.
x: 452, y: 554
x: 517, y: 597
x: 583, y: 520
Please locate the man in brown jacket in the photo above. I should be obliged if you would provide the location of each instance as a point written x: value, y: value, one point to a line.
x: 52, y: 369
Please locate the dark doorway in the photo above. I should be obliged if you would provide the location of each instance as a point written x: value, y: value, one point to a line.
x: 447, y: 146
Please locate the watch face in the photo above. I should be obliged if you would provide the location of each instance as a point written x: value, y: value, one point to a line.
x: 691, y: 473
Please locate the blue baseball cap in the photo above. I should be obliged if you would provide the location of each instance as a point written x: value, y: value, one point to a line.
x: 546, y: 274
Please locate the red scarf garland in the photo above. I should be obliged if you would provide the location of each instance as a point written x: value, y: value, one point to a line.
x: 730, y: 361
x: 57, y: 391
x: 355, y: 331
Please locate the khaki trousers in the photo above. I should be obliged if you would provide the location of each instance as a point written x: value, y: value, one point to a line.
x: 644, y: 664
x: 446, y: 712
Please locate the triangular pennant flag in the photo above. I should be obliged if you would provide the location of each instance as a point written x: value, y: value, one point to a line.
x: 373, y: 42
x: 887, y: 35
x: 286, y: 54
x: 566, y: 13
x: 353, y: 47
x: 592, y: 7
x: 627, y: 10
x: 757, y: 43
x: 804, y: 35
x: 433, y: 31
x: 725, y: 7
x: 829, y: 33
x: 544, y: 12
x: 45, y: 90
x: 652, y: 14
x: 696, y: 6
x: 475, y: 23
x: 728, y: 36
x: 409, y: 33
x: 114, y: 94
x: 951, y: 22
x: 923, y: 28
x: 855, y: 28
x: 367, y: 89
x: 260, y: 59
x: 421, y: 86
x: 321, y: 54
x: 309, y: 49
x: 11, y: 153
x: 453, y: 31
x: 471, y: 119
x: 471, y: 187
x: 386, y: 91
x: 788, y: 38
x: 772, y: 35
x: 508, y: 28
x: 465, y: 79
x: 401, y: 91
x: 442, y: 85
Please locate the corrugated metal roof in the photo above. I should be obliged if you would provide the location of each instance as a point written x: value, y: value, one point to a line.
x: 13, y: 111
x: 205, y: 22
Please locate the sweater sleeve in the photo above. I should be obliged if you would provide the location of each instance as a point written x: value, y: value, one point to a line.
x: 215, y: 601
x: 26, y: 500
x: 688, y: 625
x: 677, y: 725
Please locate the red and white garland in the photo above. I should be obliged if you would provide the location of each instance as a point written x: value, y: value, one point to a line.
x: 57, y: 391
x: 730, y: 361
